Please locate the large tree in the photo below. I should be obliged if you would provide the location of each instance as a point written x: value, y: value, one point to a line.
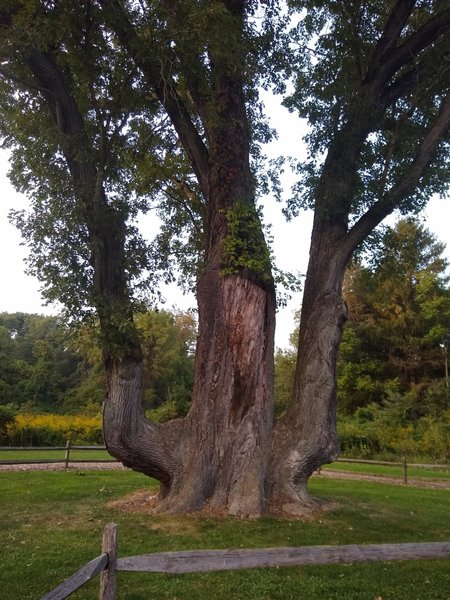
x: 193, y: 63
x: 374, y: 83
x: 73, y: 112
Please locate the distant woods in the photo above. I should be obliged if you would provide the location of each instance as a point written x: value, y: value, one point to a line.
x: 395, y: 343
x: 393, y: 385
x: 47, y: 366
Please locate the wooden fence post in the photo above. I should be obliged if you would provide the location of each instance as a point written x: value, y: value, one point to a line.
x: 108, y: 577
x: 405, y: 470
x: 67, y: 454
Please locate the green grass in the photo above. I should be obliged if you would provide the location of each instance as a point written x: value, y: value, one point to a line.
x: 51, y: 524
x: 11, y: 455
x: 388, y: 471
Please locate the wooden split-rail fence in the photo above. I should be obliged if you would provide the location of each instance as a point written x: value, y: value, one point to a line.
x: 68, y: 459
x: 202, y: 561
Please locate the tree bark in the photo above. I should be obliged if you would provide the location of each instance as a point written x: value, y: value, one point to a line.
x: 231, y: 416
x: 306, y: 437
x: 129, y: 436
x: 230, y: 419
x: 224, y: 459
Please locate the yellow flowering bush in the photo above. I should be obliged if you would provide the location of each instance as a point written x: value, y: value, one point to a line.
x: 53, y: 430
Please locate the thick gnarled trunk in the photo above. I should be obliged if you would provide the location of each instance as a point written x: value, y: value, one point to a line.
x: 231, y: 416
x: 217, y: 457
x: 130, y: 437
x: 306, y: 438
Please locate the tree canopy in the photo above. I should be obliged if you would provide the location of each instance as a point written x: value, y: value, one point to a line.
x: 372, y: 80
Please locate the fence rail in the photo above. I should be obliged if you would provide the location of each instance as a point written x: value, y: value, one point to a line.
x: 203, y: 561
x: 390, y: 463
x: 403, y: 464
x: 68, y: 448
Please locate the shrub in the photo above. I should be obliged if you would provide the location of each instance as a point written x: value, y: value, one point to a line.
x: 7, y: 415
x: 434, y: 437
x: 53, y: 430
x: 376, y: 430
x: 168, y: 411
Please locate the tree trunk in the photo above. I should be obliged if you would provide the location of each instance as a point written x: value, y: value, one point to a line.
x: 128, y: 435
x: 155, y: 450
x: 224, y: 457
x: 231, y: 416
x: 306, y: 437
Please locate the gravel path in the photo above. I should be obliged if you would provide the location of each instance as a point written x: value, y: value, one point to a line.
x: 440, y: 484
x: 79, y: 466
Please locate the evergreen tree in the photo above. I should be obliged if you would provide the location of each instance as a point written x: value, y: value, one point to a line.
x: 399, y: 320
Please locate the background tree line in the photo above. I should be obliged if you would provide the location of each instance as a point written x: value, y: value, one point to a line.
x: 393, y: 388
x: 48, y: 367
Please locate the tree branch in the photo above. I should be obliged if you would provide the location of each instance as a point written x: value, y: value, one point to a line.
x: 28, y: 85
x: 160, y: 80
x: 394, y: 26
x: 395, y: 58
x: 407, y: 182
x: 190, y: 67
x: 404, y: 84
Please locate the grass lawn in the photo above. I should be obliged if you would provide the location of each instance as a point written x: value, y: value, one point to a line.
x: 388, y: 471
x: 51, y: 524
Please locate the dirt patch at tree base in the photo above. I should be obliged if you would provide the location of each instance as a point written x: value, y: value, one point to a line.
x: 142, y: 501
x: 146, y: 501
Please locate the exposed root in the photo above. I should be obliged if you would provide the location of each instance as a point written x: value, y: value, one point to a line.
x: 146, y: 501
x: 294, y: 501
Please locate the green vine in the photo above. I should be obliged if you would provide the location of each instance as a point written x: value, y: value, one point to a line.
x: 244, y: 248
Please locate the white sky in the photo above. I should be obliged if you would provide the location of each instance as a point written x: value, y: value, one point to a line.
x: 20, y: 292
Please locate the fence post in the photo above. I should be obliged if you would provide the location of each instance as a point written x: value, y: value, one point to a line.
x: 67, y: 454
x: 108, y: 578
x: 405, y: 470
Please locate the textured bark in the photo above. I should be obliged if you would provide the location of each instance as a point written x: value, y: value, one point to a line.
x: 306, y: 437
x: 155, y: 450
x: 231, y: 416
x: 129, y: 436
x: 224, y: 458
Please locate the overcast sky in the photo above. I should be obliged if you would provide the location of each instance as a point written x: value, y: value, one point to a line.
x: 20, y: 292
